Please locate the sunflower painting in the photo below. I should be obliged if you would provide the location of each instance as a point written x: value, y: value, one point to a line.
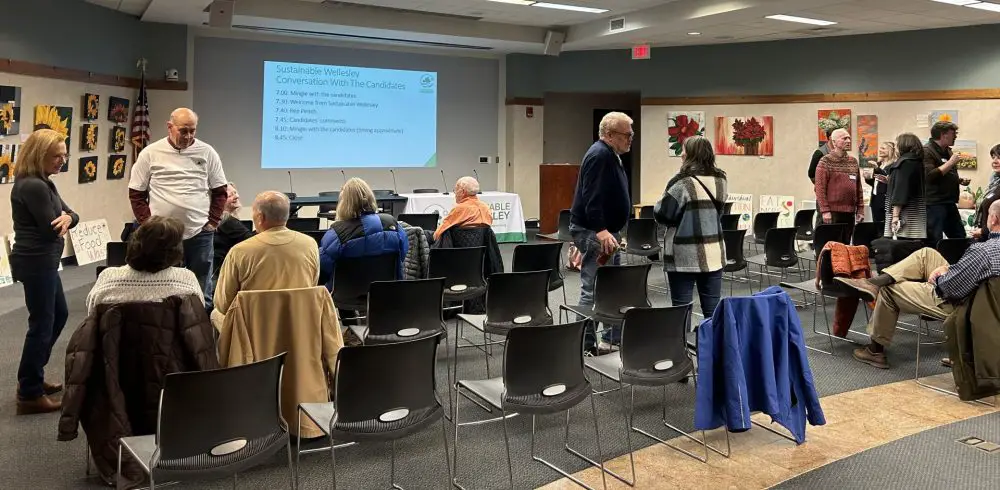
x: 88, y: 170
x: 116, y: 167
x: 118, y: 110
x: 10, y: 110
x: 54, y: 118
x: 8, y: 155
x: 91, y: 107
x: 118, y: 139
x: 88, y: 137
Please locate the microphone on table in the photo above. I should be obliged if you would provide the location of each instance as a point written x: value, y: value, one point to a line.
x: 445, y: 182
x: 290, y: 189
x: 477, y: 180
x: 394, y: 191
x: 344, y: 175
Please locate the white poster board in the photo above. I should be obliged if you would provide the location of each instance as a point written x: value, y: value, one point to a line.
x: 6, y: 279
x: 743, y: 206
x: 785, y: 205
x: 10, y: 246
x: 90, y: 241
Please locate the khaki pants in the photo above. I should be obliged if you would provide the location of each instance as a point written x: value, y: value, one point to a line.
x: 910, y: 294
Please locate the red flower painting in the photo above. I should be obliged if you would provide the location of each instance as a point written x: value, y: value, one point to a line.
x: 683, y: 125
x: 744, y: 135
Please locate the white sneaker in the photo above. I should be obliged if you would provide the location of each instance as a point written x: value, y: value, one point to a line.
x: 605, y: 348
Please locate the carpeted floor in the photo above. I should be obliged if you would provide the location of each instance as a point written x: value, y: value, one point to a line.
x: 30, y: 457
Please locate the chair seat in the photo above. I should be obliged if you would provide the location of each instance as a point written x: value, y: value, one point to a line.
x: 588, y: 312
x: 643, y: 252
x: 607, y: 365
x: 471, y: 292
x: 370, y: 430
x: 500, y: 328
x: 556, y: 237
x: 652, y: 377
x: 352, y: 304
x: 733, y: 266
x: 490, y: 390
x: 808, y: 286
x: 761, y: 260
x: 204, y: 465
x: 373, y: 339
x: 541, y: 404
x: 555, y: 283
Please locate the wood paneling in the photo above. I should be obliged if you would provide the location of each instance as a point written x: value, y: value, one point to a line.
x: 913, y: 95
x: 557, y: 183
x: 54, y: 72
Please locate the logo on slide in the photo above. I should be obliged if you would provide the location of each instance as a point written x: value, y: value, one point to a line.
x: 427, y: 80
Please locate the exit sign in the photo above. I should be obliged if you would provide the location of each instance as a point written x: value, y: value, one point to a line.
x: 640, y: 52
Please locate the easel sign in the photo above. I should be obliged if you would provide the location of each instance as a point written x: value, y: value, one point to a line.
x: 90, y: 241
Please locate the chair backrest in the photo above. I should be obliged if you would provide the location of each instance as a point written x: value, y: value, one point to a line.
x: 316, y: 235
x: 116, y: 254
x: 247, y: 223
x: 866, y: 232
x: 394, y: 306
x: 727, y: 207
x: 202, y: 411
x: 646, y: 212
x: 651, y: 336
x: 564, y: 219
x: 543, y: 357
x: 779, y: 247
x: 641, y: 233
x: 426, y: 221
x: 617, y: 287
x: 458, y: 266
x: 303, y: 224
x: 952, y: 249
x: 425, y: 191
x: 828, y: 233
x: 730, y: 221
x: 733, y: 240
x: 540, y: 257
x: 518, y: 297
x: 354, y: 275
x: 326, y: 208
x: 379, y: 193
x: 804, y: 223
x: 374, y: 381
x: 763, y: 222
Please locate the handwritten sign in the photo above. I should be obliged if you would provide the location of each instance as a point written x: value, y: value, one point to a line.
x: 743, y: 206
x: 6, y: 278
x: 785, y: 205
x: 90, y: 241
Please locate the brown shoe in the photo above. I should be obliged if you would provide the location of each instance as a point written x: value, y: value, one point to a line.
x: 42, y: 404
x: 48, y: 388
x: 876, y: 359
x: 867, y: 290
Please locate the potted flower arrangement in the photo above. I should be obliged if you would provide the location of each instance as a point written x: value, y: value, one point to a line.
x: 748, y: 134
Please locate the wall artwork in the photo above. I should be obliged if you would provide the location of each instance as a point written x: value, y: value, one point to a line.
x: 752, y: 135
x: 784, y: 205
x: 116, y: 167
x: 117, y: 110
x: 57, y: 119
x: 6, y: 278
x: 681, y: 126
x: 88, y: 137
x: 867, y: 141
x: 91, y: 107
x: 830, y: 119
x: 10, y: 110
x: 967, y: 156
x: 943, y: 116
x: 8, y: 156
x: 88, y: 170
x: 743, y: 206
x: 117, y: 139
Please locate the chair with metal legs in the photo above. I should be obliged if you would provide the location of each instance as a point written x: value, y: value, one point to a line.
x: 562, y: 233
x: 616, y: 289
x: 542, y: 374
x: 735, y: 260
x: 952, y: 249
x: 382, y: 393
x: 640, y: 238
x: 779, y: 252
x: 214, y: 424
x: 354, y: 275
x: 803, y: 223
x: 821, y: 236
x: 761, y: 223
x: 730, y: 221
x: 539, y: 257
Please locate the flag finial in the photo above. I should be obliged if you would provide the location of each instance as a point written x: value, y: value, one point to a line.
x: 141, y: 65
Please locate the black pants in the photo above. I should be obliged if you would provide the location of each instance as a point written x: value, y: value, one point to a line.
x: 847, y: 219
x: 878, y: 209
x: 943, y: 219
x: 47, y: 314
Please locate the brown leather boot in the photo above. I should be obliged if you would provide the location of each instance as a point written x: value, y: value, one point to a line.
x: 48, y: 388
x: 42, y: 404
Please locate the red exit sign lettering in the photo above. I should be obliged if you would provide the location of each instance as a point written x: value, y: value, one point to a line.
x: 640, y: 52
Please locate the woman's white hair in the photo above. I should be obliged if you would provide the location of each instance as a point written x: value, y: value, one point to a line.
x: 468, y: 184
x: 610, y: 122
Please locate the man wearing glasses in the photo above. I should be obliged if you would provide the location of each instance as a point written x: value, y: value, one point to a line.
x: 601, y: 208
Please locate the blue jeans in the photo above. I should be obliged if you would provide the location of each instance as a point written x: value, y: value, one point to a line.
x: 943, y: 219
x: 47, y: 314
x: 198, y: 253
x: 709, y: 289
x: 590, y: 248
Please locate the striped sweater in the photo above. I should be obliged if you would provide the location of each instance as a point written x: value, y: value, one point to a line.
x: 838, y: 185
x: 693, y: 240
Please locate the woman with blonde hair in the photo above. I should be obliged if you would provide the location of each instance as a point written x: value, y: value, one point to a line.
x: 41, y: 220
x: 879, y: 181
x: 360, y: 231
x: 230, y: 232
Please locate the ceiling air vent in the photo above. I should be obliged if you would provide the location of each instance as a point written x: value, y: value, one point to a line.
x: 617, y: 24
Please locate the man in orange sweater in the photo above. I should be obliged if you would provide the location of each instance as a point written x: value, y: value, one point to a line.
x: 838, y: 183
x: 468, y: 210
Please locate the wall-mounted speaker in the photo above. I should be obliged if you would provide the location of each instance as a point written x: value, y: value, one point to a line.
x: 220, y: 13
x: 553, y: 43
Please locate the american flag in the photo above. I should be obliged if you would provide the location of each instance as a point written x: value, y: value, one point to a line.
x: 140, y: 121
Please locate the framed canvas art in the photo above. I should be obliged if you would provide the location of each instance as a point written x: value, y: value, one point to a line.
x: 830, y: 119
x: 10, y: 110
x: 867, y: 141
x: 117, y: 139
x: 116, y: 167
x: 8, y: 156
x: 88, y: 170
x: 55, y: 118
x: 968, y: 159
x: 117, y: 110
x: 943, y: 116
x: 91, y: 107
x: 88, y: 137
x: 753, y: 135
x: 681, y: 126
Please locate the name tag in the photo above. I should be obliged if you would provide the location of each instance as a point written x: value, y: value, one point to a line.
x: 854, y: 177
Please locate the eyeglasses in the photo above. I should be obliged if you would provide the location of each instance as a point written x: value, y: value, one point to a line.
x: 627, y: 135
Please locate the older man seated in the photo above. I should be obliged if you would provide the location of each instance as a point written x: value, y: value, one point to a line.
x: 275, y: 258
x: 924, y: 284
x: 468, y: 210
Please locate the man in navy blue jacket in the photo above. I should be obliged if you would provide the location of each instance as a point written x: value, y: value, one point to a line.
x: 601, y: 206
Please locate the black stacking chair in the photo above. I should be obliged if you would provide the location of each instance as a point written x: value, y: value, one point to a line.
x: 248, y: 223
x: 214, y: 424
x: 563, y: 234
x: 640, y: 238
x: 803, y: 223
x: 735, y: 260
x: 353, y: 277
x: 382, y: 393
x: 426, y: 221
x: 541, y: 257
x: 316, y: 235
x: 303, y: 224
x: 823, y: 234
x: 952, y: 249
x: 542, y: 374
x: 426, y: 191
x: 866, y: 232
x: 763, y: 222
x: 727, y: 208
x: 116, y: 253
x: 328, y: 211
x: 462, y: 270
x: 779, y: 252
x: 730, y: 221
x: 646, y: 212
x: 653, y: 353
x: 616, y: 289
x: 402, y: 310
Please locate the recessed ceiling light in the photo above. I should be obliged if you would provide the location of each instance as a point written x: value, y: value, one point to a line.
x: 958, y: 2
x: 992, y: 7
x: 801, y: 20
x: 516, y: 2
x: 694, y: 34
x: 574, y: 8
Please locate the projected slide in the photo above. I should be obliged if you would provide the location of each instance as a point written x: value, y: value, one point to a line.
x: 319, y: 116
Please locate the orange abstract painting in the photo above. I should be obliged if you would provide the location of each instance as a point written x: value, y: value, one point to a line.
x: 867, y: 140
x: 752, y: 135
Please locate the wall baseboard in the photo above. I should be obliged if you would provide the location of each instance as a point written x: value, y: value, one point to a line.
x: 54, y: 72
